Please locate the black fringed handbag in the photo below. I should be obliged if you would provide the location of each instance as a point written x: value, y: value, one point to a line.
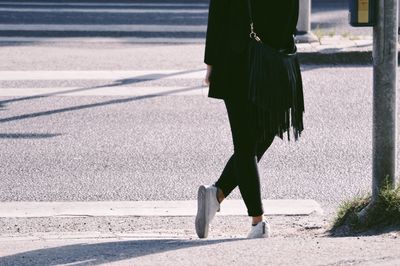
x: 275, y: 87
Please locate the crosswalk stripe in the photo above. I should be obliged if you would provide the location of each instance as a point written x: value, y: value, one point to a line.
x: 103, y: 91
x: 149, y: 208
x: 119, y: 85
x: 106, y: 4
x: 110, y: 10
x: 103, y: 75
x: 96, y: 27
x: 97, y: 40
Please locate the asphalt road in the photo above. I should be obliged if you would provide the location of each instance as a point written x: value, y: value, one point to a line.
x: 70, y: 136
x: 67, y: 136
x: 182, y: 21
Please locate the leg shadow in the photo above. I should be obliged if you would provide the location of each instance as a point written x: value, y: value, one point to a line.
x: 100, y: 253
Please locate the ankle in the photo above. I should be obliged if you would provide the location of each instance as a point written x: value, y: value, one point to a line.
x: 257, y: 219
x: 220, y: 195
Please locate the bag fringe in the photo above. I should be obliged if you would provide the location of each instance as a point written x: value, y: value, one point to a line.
x: 280, y: 103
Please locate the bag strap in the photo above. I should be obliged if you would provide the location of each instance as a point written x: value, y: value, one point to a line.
x: 250, y: 12
x: 252, y: 33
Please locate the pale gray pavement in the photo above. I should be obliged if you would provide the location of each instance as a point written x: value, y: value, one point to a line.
x: 172, y: 241
x: 98, y: 147
x: 32, y: 209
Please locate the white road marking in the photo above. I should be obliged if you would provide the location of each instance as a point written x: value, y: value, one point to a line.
x: 105, y: 4
x: 109, y: 10
x: 96, y: 27
x: 149, y: 208
x: 104, y: 91
x: 103, y: 75
x: 119, y: 84
x: 101, y: 40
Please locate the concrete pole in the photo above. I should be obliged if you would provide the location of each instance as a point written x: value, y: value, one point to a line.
x: 384, y: 95
x: 304, y: 23
x: 384, y: 100
x: 398, y: 18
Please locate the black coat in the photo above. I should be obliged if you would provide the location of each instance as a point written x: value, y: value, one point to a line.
x: 228, y: 36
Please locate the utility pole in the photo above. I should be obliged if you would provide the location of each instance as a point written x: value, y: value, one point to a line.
x: 384, y: 98
x: 304, y: 34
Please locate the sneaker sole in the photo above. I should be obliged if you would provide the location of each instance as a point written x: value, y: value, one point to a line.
x: 201, y: 217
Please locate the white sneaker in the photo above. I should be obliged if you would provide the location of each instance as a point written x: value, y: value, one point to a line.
x: 261, y: 230
x: 207, y: 206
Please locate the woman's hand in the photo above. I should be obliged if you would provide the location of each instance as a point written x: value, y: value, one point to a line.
x: 208, y: 73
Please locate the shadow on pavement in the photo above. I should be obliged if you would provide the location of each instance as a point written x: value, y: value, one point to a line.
x: 86, y: 106
x: 346, y: 231
x: 99, y: 253
x: 116, y: 83
x: 27, y: 135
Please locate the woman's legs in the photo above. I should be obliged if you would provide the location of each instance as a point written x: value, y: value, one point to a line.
x: 241, y: 169
x: 228, y: 179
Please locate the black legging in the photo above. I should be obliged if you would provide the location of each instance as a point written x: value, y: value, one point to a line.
x: 241, y: 169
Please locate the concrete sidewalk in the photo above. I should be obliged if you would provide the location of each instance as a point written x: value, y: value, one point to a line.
x: 300, y: 237
x: 148, y: 208
x: 338, y: 50
x: 181, y: 251
x: 171, y: 240
x: 300, y: 240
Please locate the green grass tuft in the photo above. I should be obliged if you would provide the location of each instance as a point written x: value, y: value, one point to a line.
x: 319, y: 33
x: 385, y: 213
x: 346, y: 34
x: 332, y: 32
x: 348, y: 210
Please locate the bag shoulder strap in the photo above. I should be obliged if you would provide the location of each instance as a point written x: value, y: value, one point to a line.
x: 252, y: 33
x: 250, y: 11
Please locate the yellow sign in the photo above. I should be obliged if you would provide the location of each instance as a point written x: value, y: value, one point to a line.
x: 363, y: 11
